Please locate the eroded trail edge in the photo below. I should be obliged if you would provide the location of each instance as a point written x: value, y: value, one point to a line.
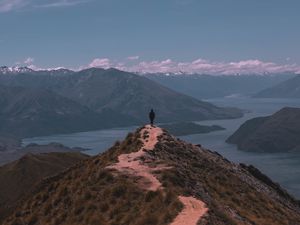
x: 133, y: 164
x: 192, y: 212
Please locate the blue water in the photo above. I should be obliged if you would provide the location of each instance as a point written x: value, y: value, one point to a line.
x: 95, y: 141
x: 283, y: 168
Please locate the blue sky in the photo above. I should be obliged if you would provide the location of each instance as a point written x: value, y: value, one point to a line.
x: 152, y: 35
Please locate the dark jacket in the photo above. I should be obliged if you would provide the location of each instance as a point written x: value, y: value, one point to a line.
x: 152, y: 115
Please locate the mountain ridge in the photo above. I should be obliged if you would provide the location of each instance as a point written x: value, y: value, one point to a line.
x: 212, y: 86
x: 19, y: 177
x: 116, y: 188
x: 142, y: 95
x: 28, y: 112
x: 116, y: 92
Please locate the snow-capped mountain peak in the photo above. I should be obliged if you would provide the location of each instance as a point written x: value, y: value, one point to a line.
x: 14, y: 70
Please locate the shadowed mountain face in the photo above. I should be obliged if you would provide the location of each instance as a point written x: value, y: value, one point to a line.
x: 277, y: 133
x: 153, y: 178
x: 18, y: 178
x: 123, y: 93
x: 27, y: 112
x: 134, y: 95
x: 286, y: 89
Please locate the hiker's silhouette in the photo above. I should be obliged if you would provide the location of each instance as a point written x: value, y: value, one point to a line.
x: 152, y: 116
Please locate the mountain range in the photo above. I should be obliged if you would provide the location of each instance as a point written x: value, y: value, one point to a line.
x: 276, y: 133
x: 60, y: 101
x: 154, y: 178
x: 27, y: 112
x: 15, y: 152
x: 287, y: 89
x: 208, y: 86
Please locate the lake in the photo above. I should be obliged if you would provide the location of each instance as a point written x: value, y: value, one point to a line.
x: 283, y: 168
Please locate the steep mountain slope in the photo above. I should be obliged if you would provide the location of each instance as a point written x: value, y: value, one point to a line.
x: 134, y: 95
x: 18, y: 178
x: 208, y: 86
x: 277, y: 133
x: 26, y: 112
x: 124, y: 93
x: 286, y: 89
x: 154, y: 178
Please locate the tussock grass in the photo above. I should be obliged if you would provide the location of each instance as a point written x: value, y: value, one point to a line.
x: 90, y: 194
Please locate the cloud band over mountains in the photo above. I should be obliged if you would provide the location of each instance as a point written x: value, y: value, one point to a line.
x: 199, y: 66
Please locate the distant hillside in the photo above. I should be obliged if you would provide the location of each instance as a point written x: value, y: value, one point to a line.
x: 27, y: 112
x: 277, y: 133
x: 121, y: 93
x: 207, y: 86
x: 286, y: 89
x: 188, y: 128
x: 153, y: 178
x: 9, y: 143
x: 15, y: 151
x: 18, y: 178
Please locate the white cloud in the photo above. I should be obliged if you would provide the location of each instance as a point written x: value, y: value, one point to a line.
x: 33, y: 67
x: 101, y: 62
x: 199, y: 66
x: 62, y: 3
x: 11, y: 5
x: 135, y: 57
x: 29, y: 60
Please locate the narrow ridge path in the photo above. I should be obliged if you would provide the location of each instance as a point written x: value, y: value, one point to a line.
x: 132, y: 164
x: 193, y: 211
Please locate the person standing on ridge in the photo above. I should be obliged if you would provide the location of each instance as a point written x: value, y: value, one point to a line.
x: 152, y: 116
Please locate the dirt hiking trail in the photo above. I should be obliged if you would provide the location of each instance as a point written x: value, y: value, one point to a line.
x: 133, y: 164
